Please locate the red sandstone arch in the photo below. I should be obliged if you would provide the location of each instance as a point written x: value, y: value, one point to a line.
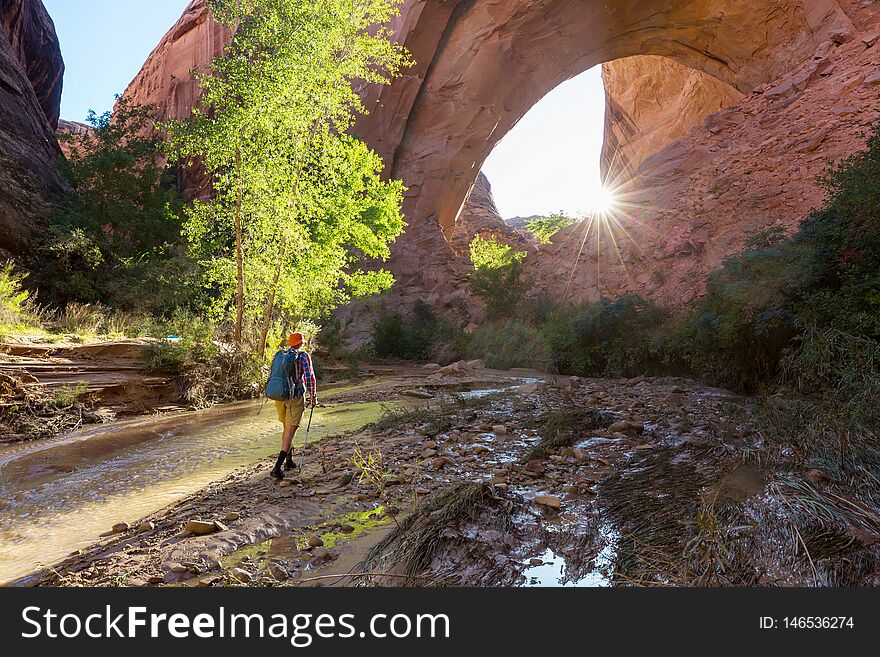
x: 482, y: 64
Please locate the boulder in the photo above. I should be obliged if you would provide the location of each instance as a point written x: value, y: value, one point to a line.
x: 201, y: 527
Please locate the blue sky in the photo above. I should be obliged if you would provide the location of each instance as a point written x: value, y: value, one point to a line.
x: 105, y: 43
x: 547, y: 163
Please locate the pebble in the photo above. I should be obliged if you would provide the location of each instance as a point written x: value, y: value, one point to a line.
x: 242, y: 575
x: 178, y: 568
x: 315, y: 542
x: 147, y: 527
x: 232, y: 516
x: 548, y: 501
x: 320, y: 553
x: 120, y: 527
x: 278, y: 571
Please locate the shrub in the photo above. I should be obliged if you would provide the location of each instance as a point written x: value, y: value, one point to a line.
x: 422, y: 336
x: 16, y: 312
x: 546, y: 227
x: 497, y: 277
x: 507, y: 344
x: 116, y: 241
x: 607, y: 338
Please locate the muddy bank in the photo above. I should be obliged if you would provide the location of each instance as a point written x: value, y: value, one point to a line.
x: 61, y: 494
x: 50, y: 388
x: 568, y: 482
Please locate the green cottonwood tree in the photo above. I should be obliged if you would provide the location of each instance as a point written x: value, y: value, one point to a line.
x: 296, y: 201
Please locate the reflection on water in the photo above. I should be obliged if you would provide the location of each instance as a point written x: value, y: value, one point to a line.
x: 59, y: 495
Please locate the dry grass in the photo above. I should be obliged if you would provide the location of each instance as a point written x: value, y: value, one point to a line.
x: 409, y: 551
x: 567, y: 426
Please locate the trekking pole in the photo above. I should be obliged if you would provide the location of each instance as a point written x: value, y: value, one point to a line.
x: 302, y: 458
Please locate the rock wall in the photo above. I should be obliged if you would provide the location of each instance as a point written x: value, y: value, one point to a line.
x: 749, y: 168
x: 31, y: 34
x: 165, y: 80
x: 650, y: 102
x: 779, y: 69
x: 28, y: 150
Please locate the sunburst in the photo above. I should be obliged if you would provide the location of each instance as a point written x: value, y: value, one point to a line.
x: 615, y: 211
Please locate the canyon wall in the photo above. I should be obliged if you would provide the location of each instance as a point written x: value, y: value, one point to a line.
x: 650, y: 102
x: 30, y: 88
x: 751, y: 167
x: 31, y: 34
x: 721, y: 112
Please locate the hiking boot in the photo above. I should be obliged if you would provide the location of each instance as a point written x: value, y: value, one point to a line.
x: 276, y: 471
x: 288, y: 463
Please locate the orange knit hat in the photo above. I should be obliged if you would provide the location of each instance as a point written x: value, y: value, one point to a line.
x: 296, y: 340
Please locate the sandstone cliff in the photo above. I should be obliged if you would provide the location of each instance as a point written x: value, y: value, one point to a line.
x: 793, y: 78
x: 650, y: 102
x: 31, y: 34
x: 751, y: 167
x: 28, y: 150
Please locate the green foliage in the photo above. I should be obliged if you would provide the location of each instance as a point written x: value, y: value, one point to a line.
x: 505, y: 344
x: 736, y: 334
x: 115, y: 241
x: 497, y: 277
x: 15, y: 309
x: 298, y: 204
x: 546, y: 227
x: 492, y: 254
x: 418, y: 337
x: 806, y: 306
x: 67, y: 396
x: 181, y: 342
x: 616, y: 338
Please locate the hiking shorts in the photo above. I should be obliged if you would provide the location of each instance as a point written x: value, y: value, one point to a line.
x: 290, y: 412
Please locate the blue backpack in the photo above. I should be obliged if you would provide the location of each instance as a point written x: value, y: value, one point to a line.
x: 284, y: 384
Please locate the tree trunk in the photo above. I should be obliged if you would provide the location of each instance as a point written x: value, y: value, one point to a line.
x: 239, y: 259
x: 270, y: 302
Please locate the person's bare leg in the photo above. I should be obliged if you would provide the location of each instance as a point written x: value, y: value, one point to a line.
x: 287, y: 437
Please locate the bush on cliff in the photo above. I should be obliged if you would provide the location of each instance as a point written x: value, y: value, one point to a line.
x: 498, y: 277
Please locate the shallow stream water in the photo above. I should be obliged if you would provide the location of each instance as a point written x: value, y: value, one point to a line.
x: 60, y: 495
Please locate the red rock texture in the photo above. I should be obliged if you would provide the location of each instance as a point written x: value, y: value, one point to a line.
x: 652, y: 101
x: 165, y: 80
x: 748, y: 168
x: 482, y: 64
x: 28, y: 151
x: 31, y: 33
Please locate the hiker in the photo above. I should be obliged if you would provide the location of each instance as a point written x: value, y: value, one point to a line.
x: 291, y: 378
